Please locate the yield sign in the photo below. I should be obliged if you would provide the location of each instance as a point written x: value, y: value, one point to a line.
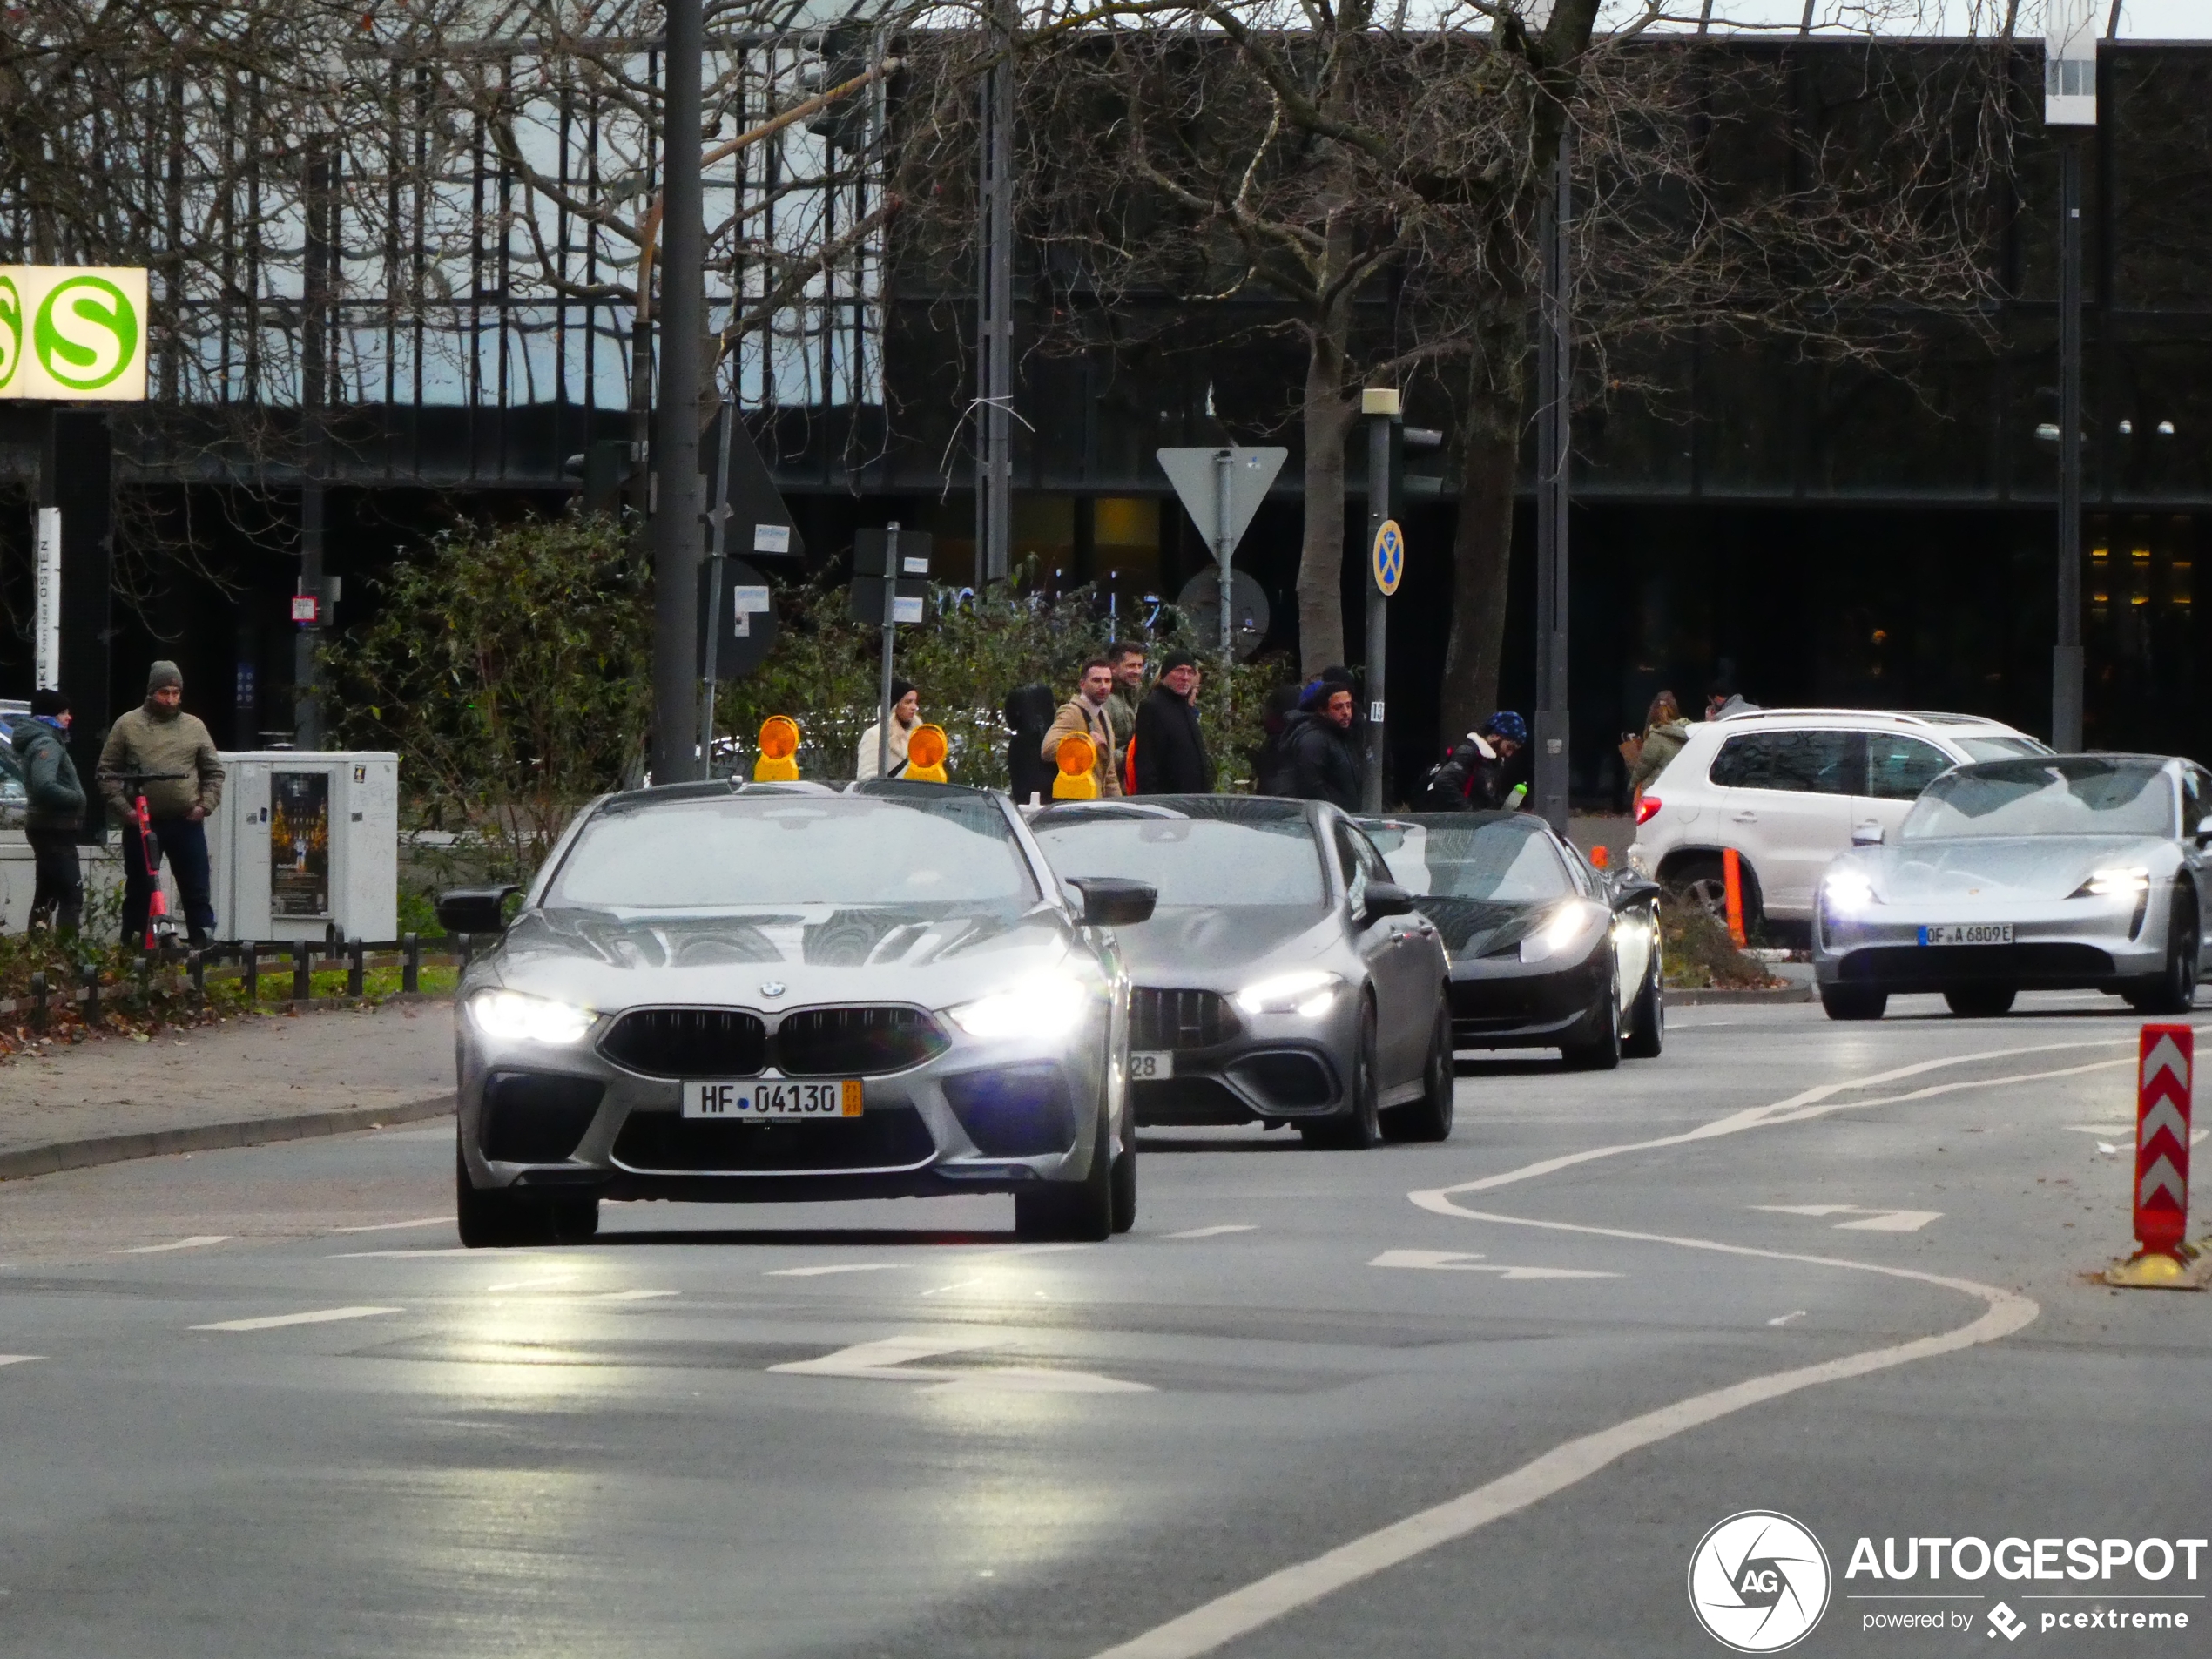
x: 1222, y: 500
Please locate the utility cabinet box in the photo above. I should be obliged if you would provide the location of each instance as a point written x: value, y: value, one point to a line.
x: 306, y: 842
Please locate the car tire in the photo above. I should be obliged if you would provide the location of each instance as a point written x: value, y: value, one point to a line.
x: 1072, y: 1211
x: 1700, y: 881
x: 1124, y: 1184
x: 1647, y: 1018
x: 1597, y: 1046
x: 1853, y: 1001
x: 501, y: 1218
x: 1428, y: 1118
x: 1359, y: 1128
x: 2173, y: 988
x: 1980, y: 1001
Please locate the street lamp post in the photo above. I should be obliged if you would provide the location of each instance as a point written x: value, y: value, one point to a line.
x: 2070, y: 106
x: 994, y: 314
x: 676, y: 412
x: 1554, y: 373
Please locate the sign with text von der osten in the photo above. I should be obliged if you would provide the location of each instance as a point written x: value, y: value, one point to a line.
x: 72, y: 334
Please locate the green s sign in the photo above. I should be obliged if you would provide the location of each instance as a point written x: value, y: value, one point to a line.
x: 86, y: 332
x: 10, y: 330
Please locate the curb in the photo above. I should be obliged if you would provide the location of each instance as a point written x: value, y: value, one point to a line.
x: 58, y: 1156
x: 1700, y: 999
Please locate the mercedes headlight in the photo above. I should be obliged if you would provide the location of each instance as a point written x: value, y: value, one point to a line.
x: 1567, y: 932
x: 1310, y: 992
x: 2114, y: 884
x: 1051, y: 1005
x: 516, y: 1017
x: 1846, y: 891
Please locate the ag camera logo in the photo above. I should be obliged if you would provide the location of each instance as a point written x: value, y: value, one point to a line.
x: 1758, y: 1582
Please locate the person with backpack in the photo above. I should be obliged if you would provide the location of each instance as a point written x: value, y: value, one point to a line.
x: 1484, y: 772
x: 54, y: 811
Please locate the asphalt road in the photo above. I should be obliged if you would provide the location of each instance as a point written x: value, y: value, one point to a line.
x: 1831, y: 1270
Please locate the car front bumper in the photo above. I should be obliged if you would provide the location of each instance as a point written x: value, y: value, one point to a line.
x: 1282, y: 1068
x: 1502, y: 1002
x: 2068, y: 944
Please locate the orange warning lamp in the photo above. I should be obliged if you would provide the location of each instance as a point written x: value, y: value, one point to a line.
x: 1078, y: 760
x: 778, y: 762
x: 926, y: 752
x: 1600, y: 858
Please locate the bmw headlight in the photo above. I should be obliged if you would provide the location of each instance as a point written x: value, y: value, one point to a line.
x: 1311, y: 993
x: 516, y: 1017
x: 2114, y: 884
x: 1051, y: 1005
x: 1846, y: 893
x: 1567, y: 932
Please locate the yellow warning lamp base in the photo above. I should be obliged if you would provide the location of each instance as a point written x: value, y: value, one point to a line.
x: 2151, y: 1269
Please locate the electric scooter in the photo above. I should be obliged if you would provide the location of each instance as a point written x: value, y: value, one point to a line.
x: 161, y: 926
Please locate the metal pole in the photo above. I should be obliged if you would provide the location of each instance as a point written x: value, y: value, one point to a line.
x: 720, y: 520
x: 1223, y: 548
x: 307, y: 708
x: 2065, y: 655
x: 994, y: 316
x: 890, y: 624
x: 1380, y: 507
x: 676, y: 416
x: 1554, y: 440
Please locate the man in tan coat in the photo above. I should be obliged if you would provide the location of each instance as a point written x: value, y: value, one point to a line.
x: 158, y: 751
x: 1086, y: 711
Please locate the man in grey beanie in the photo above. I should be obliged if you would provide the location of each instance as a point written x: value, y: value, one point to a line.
x: 158, y: 751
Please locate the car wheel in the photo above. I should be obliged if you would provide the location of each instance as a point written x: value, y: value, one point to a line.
x: 1648, y: 1019
x: 495, y: 1219
x: 1853, y: 1001
x: 1597, y: 1047
x: 1699, y: 881
x: 1428, y: 1118
x: 1080, y: 1211
x: 1359, y: 1128
x: 2173, y: 988
x: 1124, y: 1184
x: 1980, y: 1001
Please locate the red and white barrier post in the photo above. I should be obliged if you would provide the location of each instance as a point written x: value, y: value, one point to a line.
x: 2165, y: 1059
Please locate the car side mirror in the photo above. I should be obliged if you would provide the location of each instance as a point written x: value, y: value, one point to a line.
x: 1113, y: 902
x: 1386, y: 899
x: 1867, y: 835
x: 2203, y: 830
x: 1632, y: 891
x: 474, y: 910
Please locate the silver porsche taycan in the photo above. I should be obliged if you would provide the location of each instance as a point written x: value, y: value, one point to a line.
x: 718, y: 992
x: 2053, y: 872
x: 1284, y: 978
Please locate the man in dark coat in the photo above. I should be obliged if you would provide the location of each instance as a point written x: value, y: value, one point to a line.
x: 53, y: 812
x: 1029, y: 717
x: 1324, y: 754
x: 1171, y: 757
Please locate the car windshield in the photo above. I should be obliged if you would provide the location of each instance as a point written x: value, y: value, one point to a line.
x: 2000, y: 748
x: 1505, y: 861
x: 1229, y: 859
x: 2070, y: 797
x: 957, y: 856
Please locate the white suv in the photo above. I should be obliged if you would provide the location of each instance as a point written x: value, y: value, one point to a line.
x: 1787, y: 787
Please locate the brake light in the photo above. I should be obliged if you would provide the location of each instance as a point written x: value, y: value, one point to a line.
x: 1647, y: 808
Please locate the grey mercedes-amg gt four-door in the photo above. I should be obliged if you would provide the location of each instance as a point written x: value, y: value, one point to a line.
x: 741, y: 993
x: 1282, y: 977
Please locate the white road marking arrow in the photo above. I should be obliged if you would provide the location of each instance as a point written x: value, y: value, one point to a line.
x: 1461, y: 1261
x: 2164, y: 1116
x: 1872, y: 1221
x: 2165, y: 1055
x: 320, y: 1316
x: 890, y: 1359
x: 2161, y: 1175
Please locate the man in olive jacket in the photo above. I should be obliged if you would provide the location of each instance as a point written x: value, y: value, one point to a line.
x: 158, y: 751
x: 54, y: 811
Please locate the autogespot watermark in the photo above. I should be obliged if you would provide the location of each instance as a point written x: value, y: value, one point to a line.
x: 1760, y: 1581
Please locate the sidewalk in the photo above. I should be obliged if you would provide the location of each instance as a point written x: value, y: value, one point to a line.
x: 271, y: 1077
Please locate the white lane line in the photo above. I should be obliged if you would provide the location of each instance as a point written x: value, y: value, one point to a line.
x: 1223, y: 1620
x: 194, y: 1243
x: 1460, y: 1261
x: 1872, y: 1221
x: 957, y: 1284
x: 407, y: 1255
x: 833, y: 1267
x: 625, y: 1296
x: 320, y: 1316
x: 1794, y: 1313
x: 396, y: 1226
x: 890, y: 1359
x: 1211, y: 1232
x: 532, y: 1283
x: 19, y: 1358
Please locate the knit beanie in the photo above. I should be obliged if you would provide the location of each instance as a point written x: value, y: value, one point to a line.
x: 164, y: 672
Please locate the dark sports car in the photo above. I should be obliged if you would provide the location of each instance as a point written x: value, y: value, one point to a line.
x: 1547, y: 952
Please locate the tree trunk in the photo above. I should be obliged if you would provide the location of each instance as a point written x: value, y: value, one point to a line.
x: 1482, y: 555
x: 1327, y: 418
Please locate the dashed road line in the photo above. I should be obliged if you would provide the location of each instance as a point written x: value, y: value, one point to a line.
x: 319, y: 1316
x: 196, y: 1242
x: 19, y: 1358
x: 396, y: 1226
x: 1461, y: 1261
x: 833, y: 1267
x: 1212, y: 1232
